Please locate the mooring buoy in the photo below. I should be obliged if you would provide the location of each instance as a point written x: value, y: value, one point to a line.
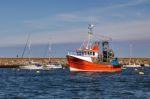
x: 37, y: 71
x: 141, y: 73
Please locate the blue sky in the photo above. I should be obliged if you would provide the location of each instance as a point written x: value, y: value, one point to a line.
x: 66, y: 21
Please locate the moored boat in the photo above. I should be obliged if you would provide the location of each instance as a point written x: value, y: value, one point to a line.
x: 93, y: 58
x: 132, y: 63
x: 50, y: 64
x: 30, y: 64
x: 53, y: 65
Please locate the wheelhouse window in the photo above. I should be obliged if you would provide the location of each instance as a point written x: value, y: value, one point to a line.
x: 78, y: 53
x: 85, y: 53
x: 93, y: 53
x: 82, y: 53
x: 90, y: 53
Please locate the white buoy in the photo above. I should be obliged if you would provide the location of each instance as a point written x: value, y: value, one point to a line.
x: 135, y: 69
x: 141, y: 73
x: 37, y: 71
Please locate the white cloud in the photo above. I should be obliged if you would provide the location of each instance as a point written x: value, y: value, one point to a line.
x: 69, y: 17
x: 137, y: 30
x: 69, y: 27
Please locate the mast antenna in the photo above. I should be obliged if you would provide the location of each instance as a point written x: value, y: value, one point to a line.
x: 90, y: 34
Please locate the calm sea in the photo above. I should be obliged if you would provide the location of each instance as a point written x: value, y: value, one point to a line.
x: 61, y: 84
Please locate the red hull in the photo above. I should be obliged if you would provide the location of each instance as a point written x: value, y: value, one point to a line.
x: 76, y: 64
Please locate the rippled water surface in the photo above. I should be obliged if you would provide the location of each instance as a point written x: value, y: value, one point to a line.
x: 61, y: 84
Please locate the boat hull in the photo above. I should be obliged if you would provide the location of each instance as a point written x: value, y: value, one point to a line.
x: 76, y: 64
x: 51, y: 66
x: 132, y: 66
x: 30, y: 67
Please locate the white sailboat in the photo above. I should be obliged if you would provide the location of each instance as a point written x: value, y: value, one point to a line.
x: 51, y: 65
x: 30, y: 64
x: 147, y: 65
x: 131, y: 64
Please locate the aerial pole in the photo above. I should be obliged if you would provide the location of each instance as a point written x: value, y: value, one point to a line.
x: 90, y: 35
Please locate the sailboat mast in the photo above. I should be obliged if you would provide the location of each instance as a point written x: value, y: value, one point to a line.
x: 49, y: 51
x: 130, y: 52
x: 26, y: 45
x: 29, y: 47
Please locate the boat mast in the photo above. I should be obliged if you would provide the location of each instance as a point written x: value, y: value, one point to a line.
x: 90, y: 34
x: 130, y: 52
x: 49, y: 50
x: 29, y: 47
x: 26, y: 45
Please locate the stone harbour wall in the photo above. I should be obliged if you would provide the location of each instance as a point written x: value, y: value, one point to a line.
x: 15, y: 62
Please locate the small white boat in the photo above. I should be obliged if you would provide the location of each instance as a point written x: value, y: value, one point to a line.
x: 132, y: 65
x: 52, y: 65
x: 31, y: 66
x: 147, y: 65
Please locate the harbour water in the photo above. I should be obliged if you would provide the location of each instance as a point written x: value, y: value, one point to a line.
x: 61, y: 84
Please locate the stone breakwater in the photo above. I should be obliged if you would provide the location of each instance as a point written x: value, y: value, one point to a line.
x: 125, y: 61
x: 15, y: 62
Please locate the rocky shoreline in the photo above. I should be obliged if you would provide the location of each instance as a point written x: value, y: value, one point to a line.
x: 16, y: 62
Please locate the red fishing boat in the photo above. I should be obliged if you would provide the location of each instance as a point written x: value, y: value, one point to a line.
x: 93, y: 57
